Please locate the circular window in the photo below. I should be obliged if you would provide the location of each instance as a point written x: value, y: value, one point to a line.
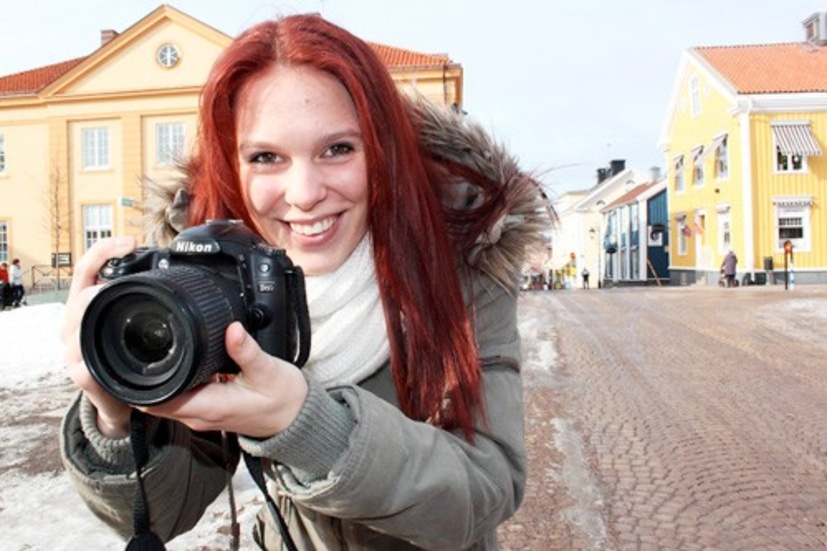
x: 167, y: 55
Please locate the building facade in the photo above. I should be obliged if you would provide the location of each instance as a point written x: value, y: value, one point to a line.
x: 636, y: 239
x: 78, y: 138
x: 743, y: 142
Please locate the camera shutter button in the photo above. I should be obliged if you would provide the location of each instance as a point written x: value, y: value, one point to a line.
x: 264, y: 268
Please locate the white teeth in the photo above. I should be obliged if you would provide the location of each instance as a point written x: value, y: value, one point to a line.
x: 313, y: 229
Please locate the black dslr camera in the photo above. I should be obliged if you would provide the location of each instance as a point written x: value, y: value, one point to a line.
x: 156, y: 329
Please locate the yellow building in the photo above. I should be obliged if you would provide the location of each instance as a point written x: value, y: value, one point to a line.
x: 78, y: 137
x: 742, y: 139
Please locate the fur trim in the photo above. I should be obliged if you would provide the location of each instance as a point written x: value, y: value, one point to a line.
x: 501, y: 252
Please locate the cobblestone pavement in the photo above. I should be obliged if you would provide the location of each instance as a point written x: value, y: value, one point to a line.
x: 675, y: 418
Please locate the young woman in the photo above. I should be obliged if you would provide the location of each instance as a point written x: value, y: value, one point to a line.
x: 404, y: 429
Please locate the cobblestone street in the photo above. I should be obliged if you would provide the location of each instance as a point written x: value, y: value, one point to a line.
x: 675, y: 418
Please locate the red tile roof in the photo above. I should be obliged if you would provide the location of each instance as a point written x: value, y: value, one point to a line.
x: 395, y: 58
x: 31, y: 82
x: 628, y: 197
x: 770, y: 68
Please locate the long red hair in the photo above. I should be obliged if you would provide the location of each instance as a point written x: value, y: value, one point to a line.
x: 433, y: 354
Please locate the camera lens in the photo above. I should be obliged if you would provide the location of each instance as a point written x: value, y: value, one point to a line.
x: 147, y: 337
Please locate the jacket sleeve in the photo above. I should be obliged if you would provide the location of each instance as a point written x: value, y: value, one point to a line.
x: 410, y: 479
x: 186, y: 471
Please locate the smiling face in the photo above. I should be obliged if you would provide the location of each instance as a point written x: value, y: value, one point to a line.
x: 302, y: 165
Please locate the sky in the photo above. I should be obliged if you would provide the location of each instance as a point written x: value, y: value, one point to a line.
x: 566, y: 85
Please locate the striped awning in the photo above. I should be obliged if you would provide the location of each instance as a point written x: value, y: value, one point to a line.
x: 795, y: 139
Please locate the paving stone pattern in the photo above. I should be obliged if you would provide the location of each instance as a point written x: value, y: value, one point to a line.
x: 690, y: 418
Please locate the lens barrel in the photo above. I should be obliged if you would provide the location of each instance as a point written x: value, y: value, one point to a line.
x: 150, y: 336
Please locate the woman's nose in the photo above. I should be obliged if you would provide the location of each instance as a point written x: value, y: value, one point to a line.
x: 304, y: 186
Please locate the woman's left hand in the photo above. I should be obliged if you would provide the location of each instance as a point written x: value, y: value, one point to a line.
x: 260, y: 401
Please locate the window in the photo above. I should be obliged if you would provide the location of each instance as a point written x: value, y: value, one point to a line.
x: 4, y: 241
x: 722, y: 159
x: 169, y: 143
x: 683, y: 237
x: 2, y: 153
x: 698, y: 166
x: 794, y: 142
x: 792, y: 222
x: 724, y: 231
x: 97, y: 223
x: 95, y: 143
x: 695, y: 95
x: 789, y: 163
x: 679, y: 173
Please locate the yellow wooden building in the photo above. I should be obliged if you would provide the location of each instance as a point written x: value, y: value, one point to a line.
x: 744, y: 139
x: 77, y: 137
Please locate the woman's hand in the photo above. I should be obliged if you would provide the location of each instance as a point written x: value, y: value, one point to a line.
x: 113, y: 415
x: 261, y: 401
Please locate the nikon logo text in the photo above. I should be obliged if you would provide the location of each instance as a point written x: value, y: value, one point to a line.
x: 192, y: 247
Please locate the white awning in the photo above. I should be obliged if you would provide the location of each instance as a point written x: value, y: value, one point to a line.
x: 795, y: 139
x: 713, y: 147
x: 698, y: 156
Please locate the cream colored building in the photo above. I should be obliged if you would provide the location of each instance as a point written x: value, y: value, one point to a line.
x: 78, y: 137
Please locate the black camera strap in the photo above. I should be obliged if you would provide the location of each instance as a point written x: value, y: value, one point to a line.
x: 143, y: 538
x: 295, y: 288
x: 257, y: 473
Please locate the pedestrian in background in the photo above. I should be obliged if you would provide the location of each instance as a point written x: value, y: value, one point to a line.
x: 585, y: 275
x: 18, y: 290
x: 728, y: 268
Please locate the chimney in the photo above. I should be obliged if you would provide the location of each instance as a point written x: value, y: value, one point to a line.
x: 815, y: 29
x: 655, y: 173
x: 617, y: 166
x: 107, y: 35
x: 602, y: 174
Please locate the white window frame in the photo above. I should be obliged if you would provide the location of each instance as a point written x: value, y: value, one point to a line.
x: 786, y: 217
x: 97, y: 223
x: 95, y: 145
x: 695, y: 95
x: 4, y: 241
x: 169, y: 143
x: 683, y: 240
x: 698, y: 166
x: 722, y: 159
x: 679, y: 182
x: 2, y: 154
x: 786, y: 164
x: 724, y: 230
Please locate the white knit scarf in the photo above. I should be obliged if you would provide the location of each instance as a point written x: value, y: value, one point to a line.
x: 349, y: 340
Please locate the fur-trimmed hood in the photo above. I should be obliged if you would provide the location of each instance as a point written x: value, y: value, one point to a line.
x: 501, y: 251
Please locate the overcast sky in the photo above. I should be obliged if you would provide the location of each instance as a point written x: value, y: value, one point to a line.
x: 567, y: 84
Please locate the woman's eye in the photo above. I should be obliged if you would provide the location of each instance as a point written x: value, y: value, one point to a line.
x: 263, y: 158
x: 338, y: 149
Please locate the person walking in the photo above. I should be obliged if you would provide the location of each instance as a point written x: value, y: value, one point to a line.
x: 585, y: 275
x: 18, y: 290
x: 729, y: 268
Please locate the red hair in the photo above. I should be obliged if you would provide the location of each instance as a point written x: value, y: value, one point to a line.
x: 433, y: 354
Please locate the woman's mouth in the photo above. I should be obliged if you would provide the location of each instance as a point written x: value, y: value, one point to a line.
x: 315, y: 228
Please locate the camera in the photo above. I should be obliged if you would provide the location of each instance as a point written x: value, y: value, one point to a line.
x: 156, y: 328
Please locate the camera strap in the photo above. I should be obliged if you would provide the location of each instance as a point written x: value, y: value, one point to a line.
x: 257, y: 473
x: 143, y: 538
x: 295, y: 289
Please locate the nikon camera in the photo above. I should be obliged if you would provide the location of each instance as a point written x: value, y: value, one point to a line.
x: 156, y: 329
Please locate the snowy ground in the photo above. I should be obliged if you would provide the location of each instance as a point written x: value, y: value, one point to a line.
x: 39, y: 510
